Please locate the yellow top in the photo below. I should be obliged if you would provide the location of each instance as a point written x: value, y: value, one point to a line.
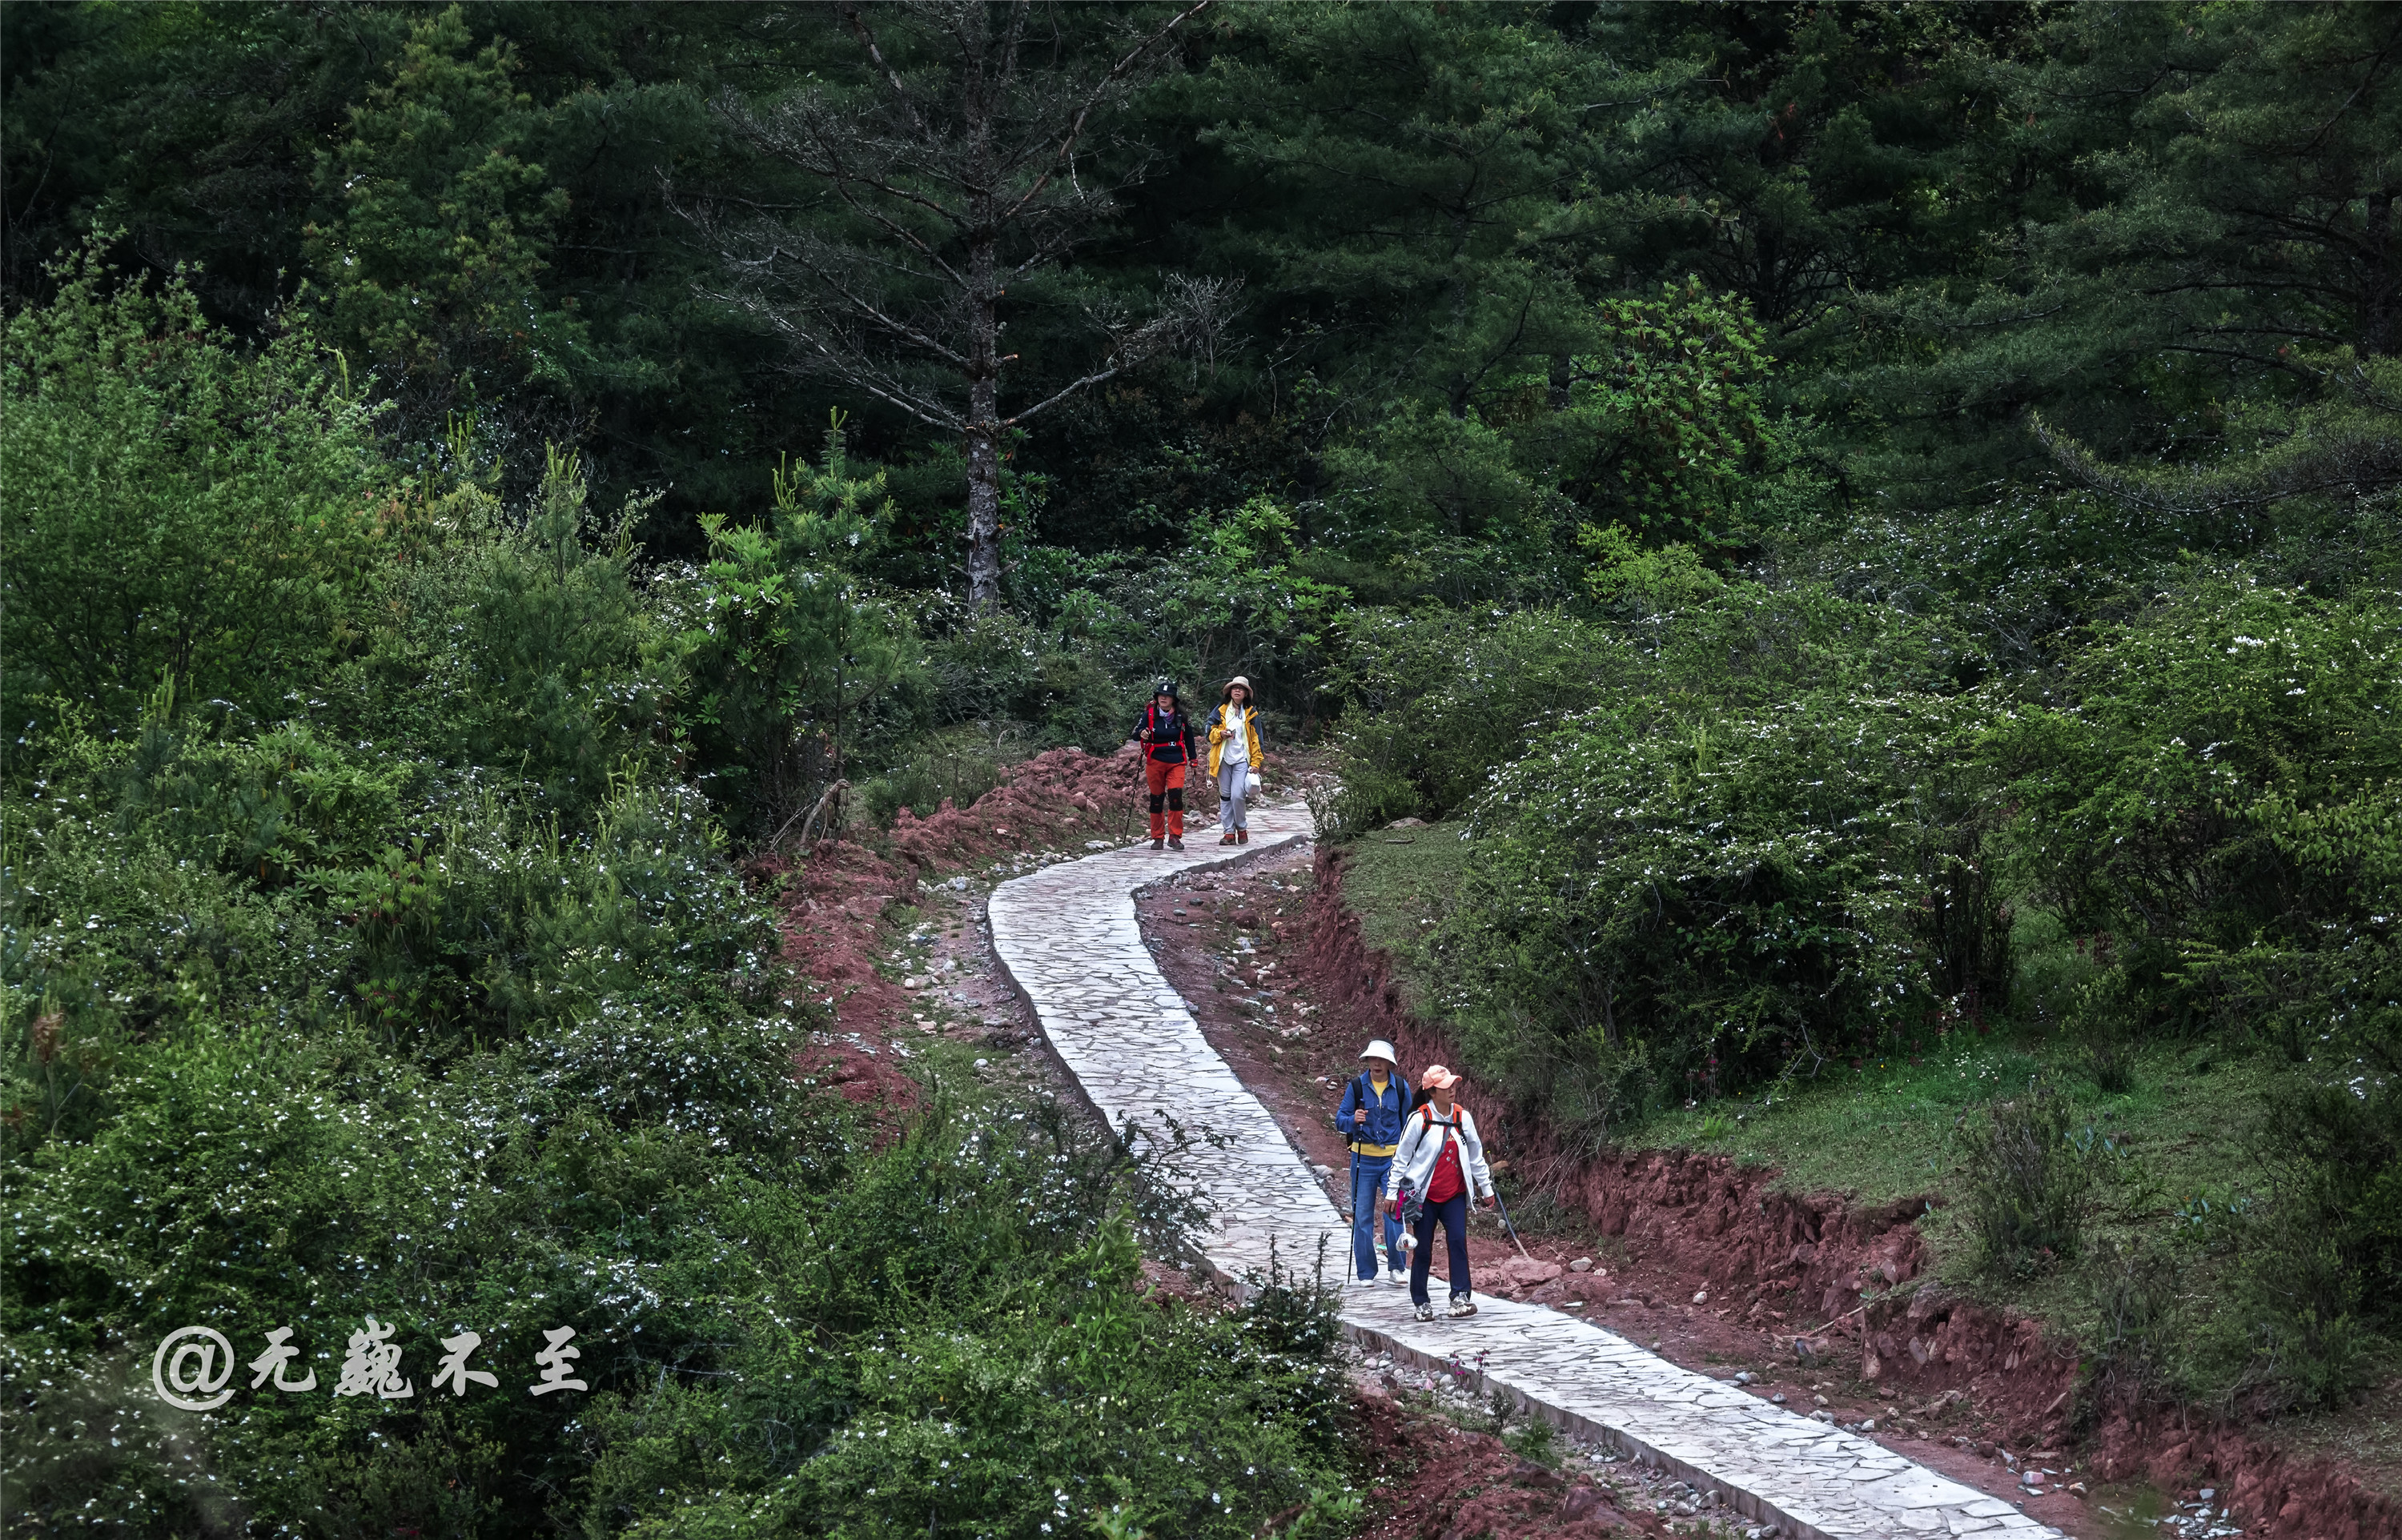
x: 1217, y: 733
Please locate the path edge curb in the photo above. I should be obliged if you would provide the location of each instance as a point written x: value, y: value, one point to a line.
x: 1752, y: 1507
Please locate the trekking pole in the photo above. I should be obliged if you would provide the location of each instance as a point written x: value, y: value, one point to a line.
x: 1503, y: 1209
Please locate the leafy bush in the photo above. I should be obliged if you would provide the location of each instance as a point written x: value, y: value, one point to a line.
x: 975, y: 1355
x: 2108, y: 1028
x: 1665, y: 909
x: 568, y: 669
x: 186, y: 877
x: 2294, y: 1337
x: 1079, y: 666
x: 800, y: 666
x: 1674, y: 406
x: 177, y: 508
x: 1437, y: 699
x: 2136, y: 1345
x: 956, y: 766
x: 2228, y: 773
x: 1440, y: 700
x: 2029, y: 1186
x: 2317, y: 1249
x: 1003, y: 668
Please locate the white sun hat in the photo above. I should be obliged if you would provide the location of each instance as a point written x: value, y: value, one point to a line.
x: 1380, y: 1048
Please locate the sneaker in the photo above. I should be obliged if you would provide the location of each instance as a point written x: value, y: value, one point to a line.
x: 1226, y: 839
x: 1174, y: 845
x: 1426, y: 1312
x: 1242, y: 836
x: 1398, y: 1277
x: 1462, y: 1307
x: 1159, y: 845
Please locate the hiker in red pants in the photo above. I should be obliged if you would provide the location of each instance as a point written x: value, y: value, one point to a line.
x: 1165, y: 734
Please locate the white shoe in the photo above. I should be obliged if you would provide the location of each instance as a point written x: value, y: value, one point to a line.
x: 1462, y: 1307
x: 1398, y: 1277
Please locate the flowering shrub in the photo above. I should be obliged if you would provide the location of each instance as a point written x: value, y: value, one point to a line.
x: 429, y: 993
x: 1674, y: 906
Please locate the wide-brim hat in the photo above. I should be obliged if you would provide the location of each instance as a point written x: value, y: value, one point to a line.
x: 1238, y: 679
x: 1380, y: 1048
x: 1436, y: 1077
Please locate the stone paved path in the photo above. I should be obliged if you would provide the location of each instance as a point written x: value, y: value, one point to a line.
x: 1069, y: 942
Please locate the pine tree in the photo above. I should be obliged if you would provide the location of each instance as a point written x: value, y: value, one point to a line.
x: 971, y: 155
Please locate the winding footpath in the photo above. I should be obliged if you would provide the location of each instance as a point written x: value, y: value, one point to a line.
x: 1069, y: 943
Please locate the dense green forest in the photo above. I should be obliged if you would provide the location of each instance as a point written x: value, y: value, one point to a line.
x: 1874, y: 523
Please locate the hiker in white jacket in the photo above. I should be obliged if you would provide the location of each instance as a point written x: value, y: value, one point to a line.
x: 1440, y: 1165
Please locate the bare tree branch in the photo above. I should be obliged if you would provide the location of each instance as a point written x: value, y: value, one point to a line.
x: 962, y: 163
x: 1196, y: 314
x: 1117, y: 73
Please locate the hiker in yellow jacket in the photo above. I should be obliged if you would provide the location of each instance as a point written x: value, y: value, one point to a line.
x: 1233, y: 758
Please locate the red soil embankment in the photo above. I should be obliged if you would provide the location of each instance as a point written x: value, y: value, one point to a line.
x: 835, y: 900
x: 1729, y: 1226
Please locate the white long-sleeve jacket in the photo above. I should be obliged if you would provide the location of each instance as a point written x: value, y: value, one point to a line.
x: 1421, y: 1146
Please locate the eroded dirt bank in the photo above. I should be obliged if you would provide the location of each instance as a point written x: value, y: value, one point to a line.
x: 897, y: 990
x: 1687, y: 1253
x: 838, y: 907
x: 1962, y: 1387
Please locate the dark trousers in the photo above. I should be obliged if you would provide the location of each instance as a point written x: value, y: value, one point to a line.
x: 1452, y: 1214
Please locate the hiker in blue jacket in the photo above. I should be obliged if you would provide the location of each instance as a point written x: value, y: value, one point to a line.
x: 1373, y: 1105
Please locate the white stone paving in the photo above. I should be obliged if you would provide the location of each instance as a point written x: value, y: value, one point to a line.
x: 1069, y: 940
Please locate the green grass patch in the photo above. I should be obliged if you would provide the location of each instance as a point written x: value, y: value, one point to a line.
x: 1890, y: 1129
x: 2167, y: 1154
x: 1401, y: 883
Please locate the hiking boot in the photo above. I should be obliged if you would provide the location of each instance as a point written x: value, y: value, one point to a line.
x: 1159, y: 845
x: 1226, y: 839
x: 1173, y: 845
x: 1462, y: 1307
x: 1242, y: 836
x: 1425, y: 1313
